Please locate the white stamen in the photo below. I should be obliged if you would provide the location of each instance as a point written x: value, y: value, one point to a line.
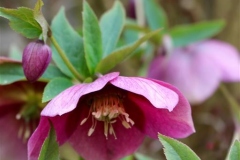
x: 20, y: 132
x: 111, y: 131
x: 83, y: 121
x: 106, y: 129
x: 18, y: 116
x: 90, y: 132
x: 125, y: 124
x: 26, y: 133
x: 108, y: 108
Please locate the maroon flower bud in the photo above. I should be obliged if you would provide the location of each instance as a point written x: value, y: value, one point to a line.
x: 36, y: 57
x: 131, y: 10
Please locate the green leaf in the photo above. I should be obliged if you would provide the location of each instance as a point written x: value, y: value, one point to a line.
x: 155, y: 15
x: 50, y: 149
x: 135, y: 29
x: 40, y: 19
x: 71, y: 43
x: 51, y: 72
x: 128, y: 158
x: 142, y: 157
x: 130, y: 35
x: 54, y: 87
x: 176, y: 150
x: 186, y: 34
x: 92, y: 38
x: 11, y: 72
x: 111, y: 25
x: 121, y: 54
x: 22, y: 21
x: 234, y: 153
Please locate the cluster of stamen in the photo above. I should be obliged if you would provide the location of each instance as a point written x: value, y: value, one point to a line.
x: 29, y: 118
x: 107, y: 108
x: 26, y: 127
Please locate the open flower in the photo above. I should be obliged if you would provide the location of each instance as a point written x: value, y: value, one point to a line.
x: 20, y: 106
x: 108, y: 118
x: 197, y: 69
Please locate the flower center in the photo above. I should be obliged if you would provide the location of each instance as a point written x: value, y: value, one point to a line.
x: 108, y: 108
x: 29, y: 116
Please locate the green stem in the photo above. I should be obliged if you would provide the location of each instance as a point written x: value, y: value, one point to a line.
x: 137, y: 28
x: 235, y: 111
x: 155, y: 39
x: 140, y: 12
x: 234, y: 106
x: 65, y: 59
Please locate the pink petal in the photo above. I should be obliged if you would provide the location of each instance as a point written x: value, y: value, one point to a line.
x: 97, y: 147
x: 151, y: 120
x: 224, y: 56
x: 36, y: 140
x: 63, y: 125
x: 159, y: 96
x: 157, y: 67
x: 66, y: 124
x: 194, y: 75
x: 11, y: 147
x: 67, y: 100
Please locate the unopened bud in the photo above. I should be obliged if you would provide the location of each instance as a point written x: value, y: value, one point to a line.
x: 131, y: 12
x: 36, y: 57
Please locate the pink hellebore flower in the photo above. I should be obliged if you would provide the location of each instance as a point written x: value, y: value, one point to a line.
x: 198, y: 69
x: 108, y: 118
x: 20, y: 107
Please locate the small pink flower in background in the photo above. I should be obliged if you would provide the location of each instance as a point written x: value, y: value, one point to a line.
x: 36, y: 58
x: 20, y: 107
x: 109, y: 118
x: 198, y: 69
